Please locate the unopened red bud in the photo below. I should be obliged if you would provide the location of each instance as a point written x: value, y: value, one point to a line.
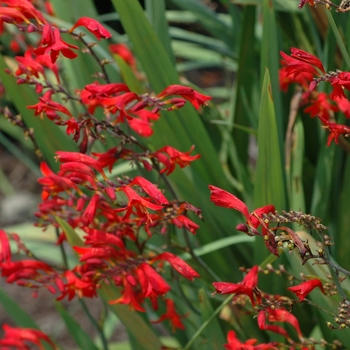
x: 31, y: 28
x: 100, y: 185
x: 76, y: 180
x: 147, y: 165
x: 38, y: 88
x: 242, y: 228
x: 139, y: 105
x: 312, y: 85
x: 111, y: 193
x: 7, y: 19
x: 81, y: 203
x: 21, y: 81
x: 110, y: 183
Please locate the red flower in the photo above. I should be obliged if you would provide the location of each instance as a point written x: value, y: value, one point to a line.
x: 344, y: 105
x: 16, y: 337
x: 11, y: 15
x: 303, y: 289
x: 124, y: 52
x: 339, y: 82
x: 172, y: 315
x: 246, y: 287
x: 53, y: 44
x: 302, y: 63
x: 225, y: 199
x: 73, y: 127
x: 29, y: 65
x: 107, y: 159
x: 178, y: 264
x: 105, y: 90
x: 308, y: 58
x: 49, y: 107
x: 140, y: 121
x: 304, y: 79
x: 26, y: 8
x: 303, y: 2
x: 93, y: 27
x: 150, y: 189
x: 335, y: 130
x: 77, y: 286
x: 151, y: 282
x: 189, y: 94
x: 138, y: 202
x: 278, y: 315
x: 183, y: 221
x: 90, y: 211
x: 170, y: 156
x: 65, y: 157
x: 235, y: 344
x: 321, y: 106
x: 129, y: 296
x: 5, y: 250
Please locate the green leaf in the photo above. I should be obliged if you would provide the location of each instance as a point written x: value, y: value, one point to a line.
x: 341, y: 233
x: 209, y: 19
x: 323, y: 181
x: 296, y: 190
x: 82, y: 339
x: 142, y: 335
x: 72, y: 237
x: 128, y: 76
x: 218, y: 244
x: 156, y: 15
x: 246, y: 75
x: 20, y: 317
x: 213, y: 333
x: 270, y: 59
x: 269, y: 183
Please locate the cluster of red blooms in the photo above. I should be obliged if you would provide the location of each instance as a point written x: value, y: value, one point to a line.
x: 269, y: 308
x: 307, y: 70
x: 118, y: 217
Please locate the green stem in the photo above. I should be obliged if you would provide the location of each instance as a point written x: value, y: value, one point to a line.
x: 206, y: 323
x: 63, y: 252
x: 338, y: 38
x: 85, y: 308
x: 95, y: 324
x: 335, y: 277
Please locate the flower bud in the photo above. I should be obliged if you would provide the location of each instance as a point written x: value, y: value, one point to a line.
x: 242, y: 228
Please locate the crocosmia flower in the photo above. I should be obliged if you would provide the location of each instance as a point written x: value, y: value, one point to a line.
x: 247, y: 286
x: 303, y: 289
x: 93, y: 27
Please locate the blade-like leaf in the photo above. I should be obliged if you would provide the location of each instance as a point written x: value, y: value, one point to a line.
x: 143, y: 336
x: 213, y: 332
x: 72, y: 237
x: 269, y: 183
x: 82, y: 339
x: 20, y: 317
